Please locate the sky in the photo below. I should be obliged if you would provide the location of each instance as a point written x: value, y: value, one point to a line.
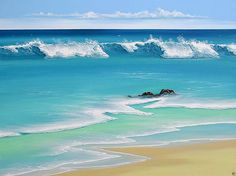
x: 119, y: 14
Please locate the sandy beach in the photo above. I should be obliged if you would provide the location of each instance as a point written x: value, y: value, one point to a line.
x: 205, y: 159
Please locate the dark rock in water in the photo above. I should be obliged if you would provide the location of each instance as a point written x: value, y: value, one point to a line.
x: 167, y: 92
x: 147, y: 94
x: 151, y: 95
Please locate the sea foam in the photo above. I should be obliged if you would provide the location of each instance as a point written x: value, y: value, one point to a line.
x: 131, y: 46
x: 8, y: 134
x: 176, y: 49
x: 78, y: 120
x: 230, y: 47
x: 70, y: 49
x: 179, y: 101
x: 180, y: 48
x: 169, y: 49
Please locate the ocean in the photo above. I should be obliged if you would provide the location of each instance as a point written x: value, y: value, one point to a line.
x: 64, y: 94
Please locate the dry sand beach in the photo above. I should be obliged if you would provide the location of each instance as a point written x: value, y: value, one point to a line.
x: 205, y: 159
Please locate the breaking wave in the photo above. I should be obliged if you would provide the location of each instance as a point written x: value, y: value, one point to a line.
x: 170, y: 49
x: 71, y: 49
x: 231, y: 48
x: 175, y: 49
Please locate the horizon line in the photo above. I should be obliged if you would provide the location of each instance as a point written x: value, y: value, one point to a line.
x: 21, y: 29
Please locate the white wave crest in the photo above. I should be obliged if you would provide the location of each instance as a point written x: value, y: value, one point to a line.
x: 70, y: 49
x: 193, y: 103
x: 29, y: 45
x: 8, y: 134
x: 180, y: 48
x: 203, y: 49
x: 176, y: 49
x: 131, y: 46
x: 231, y: 48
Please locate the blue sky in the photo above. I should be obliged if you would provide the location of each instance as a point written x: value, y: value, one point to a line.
x: 117, y: 14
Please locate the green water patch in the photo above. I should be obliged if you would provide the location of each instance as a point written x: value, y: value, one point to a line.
x: 122, y: 125
x: 163, y: 119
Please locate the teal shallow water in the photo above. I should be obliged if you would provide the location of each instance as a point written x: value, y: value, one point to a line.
x: 64, y: 96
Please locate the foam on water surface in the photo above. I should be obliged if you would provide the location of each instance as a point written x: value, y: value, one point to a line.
x: 179, y: 101
x: 70, y: 49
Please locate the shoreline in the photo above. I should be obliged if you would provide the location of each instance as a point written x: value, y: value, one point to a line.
x: 216, y: 158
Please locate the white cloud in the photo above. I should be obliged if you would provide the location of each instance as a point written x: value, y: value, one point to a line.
x: 159, y: 19
x: 158, y: 14
x: 62, y: 23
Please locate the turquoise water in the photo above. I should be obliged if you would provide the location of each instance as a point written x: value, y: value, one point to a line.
x: 64, y: 94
